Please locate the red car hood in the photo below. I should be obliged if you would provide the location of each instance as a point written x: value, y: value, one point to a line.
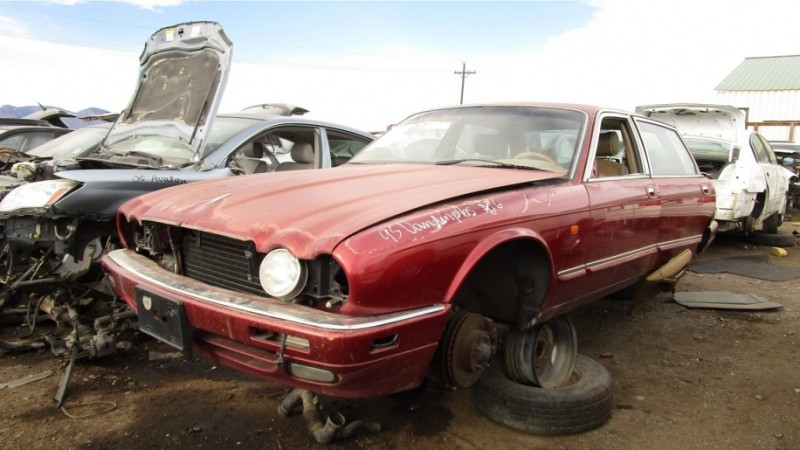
x: 309, y: 212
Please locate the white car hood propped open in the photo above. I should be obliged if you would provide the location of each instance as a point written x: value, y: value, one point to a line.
x: 182, y: 75
x: 722, y: 122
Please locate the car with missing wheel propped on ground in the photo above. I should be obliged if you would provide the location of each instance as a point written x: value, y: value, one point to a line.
x: 459, y: 232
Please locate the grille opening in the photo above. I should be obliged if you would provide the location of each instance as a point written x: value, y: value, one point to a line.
x: 222, y: 261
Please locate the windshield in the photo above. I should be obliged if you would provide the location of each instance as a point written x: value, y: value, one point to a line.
x: 225, y: 128
x: 168, y: 151
x: 160, y: 147
x: 491, y: 136
x: 710, y: 150
x: 78, y: 143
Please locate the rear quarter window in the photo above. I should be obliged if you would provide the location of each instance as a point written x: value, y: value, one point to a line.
x: 764, y: 152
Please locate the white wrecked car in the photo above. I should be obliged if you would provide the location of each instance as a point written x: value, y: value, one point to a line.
x: 750, y: 184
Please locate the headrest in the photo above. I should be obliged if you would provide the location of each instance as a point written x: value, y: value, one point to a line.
x: 608, y: 144
x: 254, y: 151
x: 303, y: 152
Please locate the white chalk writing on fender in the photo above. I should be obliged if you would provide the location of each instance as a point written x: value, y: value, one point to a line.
x: 158, y: 179
x: 441, y: 218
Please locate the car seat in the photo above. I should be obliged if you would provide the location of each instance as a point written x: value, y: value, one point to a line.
x: 250, y: 160
x: 302, y: 157
x: 608, y: 147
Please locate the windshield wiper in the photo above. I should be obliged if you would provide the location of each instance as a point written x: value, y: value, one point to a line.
x: 135, y: 159
x: 450, y: 162
x: 149, y: 156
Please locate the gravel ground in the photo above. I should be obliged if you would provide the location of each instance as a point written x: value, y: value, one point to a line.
x: 683, y: 378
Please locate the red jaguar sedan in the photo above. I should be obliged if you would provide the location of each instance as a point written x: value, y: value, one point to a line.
x: 459, y: 232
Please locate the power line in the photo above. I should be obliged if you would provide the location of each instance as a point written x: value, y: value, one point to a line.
x: 85, y: 19
x: 463, y: 74
x: 69, y: 42
x: 243, y: 41
x: 259, y: 61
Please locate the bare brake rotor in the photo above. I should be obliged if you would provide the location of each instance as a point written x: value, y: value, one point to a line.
x: 470, y: 343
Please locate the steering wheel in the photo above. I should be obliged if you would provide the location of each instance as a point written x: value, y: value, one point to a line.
x: 533, y: 154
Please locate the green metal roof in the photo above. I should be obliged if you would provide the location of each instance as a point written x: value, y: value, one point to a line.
x: 766, y: 73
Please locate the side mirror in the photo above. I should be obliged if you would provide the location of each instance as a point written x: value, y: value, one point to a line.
x: 788, y: 161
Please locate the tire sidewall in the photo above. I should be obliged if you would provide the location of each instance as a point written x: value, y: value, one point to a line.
x: 583, y: 405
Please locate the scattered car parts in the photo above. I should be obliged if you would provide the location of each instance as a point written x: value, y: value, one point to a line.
x: 54, y: 231
x: 725, y: 300
x: 333, y: 428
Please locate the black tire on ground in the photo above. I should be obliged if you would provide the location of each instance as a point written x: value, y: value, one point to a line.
x: 771, y: 224
x: 583, y: 405
x: 774, y: 240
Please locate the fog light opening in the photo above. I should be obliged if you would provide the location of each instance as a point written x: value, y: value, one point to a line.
x: 310, y: 373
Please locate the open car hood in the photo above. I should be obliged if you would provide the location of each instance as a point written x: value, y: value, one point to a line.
x: 183, y: 71
x: 722, y: 122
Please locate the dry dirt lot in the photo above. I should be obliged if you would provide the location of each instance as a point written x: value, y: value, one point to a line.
x: 683, y: 378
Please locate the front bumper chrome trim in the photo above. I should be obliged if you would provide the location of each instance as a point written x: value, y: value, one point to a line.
x: 145, y: 270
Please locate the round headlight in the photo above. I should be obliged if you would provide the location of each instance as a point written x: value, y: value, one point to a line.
x: 36, y: 195
x: 282, y: 275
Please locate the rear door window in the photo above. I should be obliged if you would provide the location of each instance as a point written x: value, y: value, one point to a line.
x: 666, y: 151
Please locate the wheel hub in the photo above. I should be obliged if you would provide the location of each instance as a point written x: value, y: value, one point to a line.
x: 469, y: 345
x: 543, y: 356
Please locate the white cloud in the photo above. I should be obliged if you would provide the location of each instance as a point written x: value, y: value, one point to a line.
x: 643, y: 52
x: 67, y: 2
x: 11, y: 26
x: 152, y: 5
x: 144, y: 4
x: 63, y: 75
x: 630, y: 53
x: 370, y: 99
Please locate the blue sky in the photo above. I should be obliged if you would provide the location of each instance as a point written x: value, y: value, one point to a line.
x: 271, y: 28
x: 368, y: 64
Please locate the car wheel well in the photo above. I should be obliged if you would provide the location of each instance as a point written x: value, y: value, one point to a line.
x: 506, y: 282
x: 758, y: 208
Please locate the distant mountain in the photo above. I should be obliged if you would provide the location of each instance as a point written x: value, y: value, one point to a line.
x: 91, y: 112
x: 22, y: 111
x: 17, y: 112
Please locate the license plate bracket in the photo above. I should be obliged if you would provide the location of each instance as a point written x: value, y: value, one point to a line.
x: 164, y: 319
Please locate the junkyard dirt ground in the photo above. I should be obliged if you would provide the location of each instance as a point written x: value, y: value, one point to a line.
x: 683, y: 378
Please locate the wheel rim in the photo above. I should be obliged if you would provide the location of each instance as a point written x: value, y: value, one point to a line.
x: 544, y: 355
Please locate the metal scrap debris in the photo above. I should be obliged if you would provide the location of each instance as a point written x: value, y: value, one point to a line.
x: 26, y: 379
x: 724, y: 300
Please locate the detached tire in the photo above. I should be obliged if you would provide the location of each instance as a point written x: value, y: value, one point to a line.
x: 583, y: 405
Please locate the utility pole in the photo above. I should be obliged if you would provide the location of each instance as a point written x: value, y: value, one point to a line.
x: 463, y: 74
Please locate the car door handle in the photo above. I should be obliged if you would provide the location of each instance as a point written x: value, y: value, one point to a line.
x: 706, y: 190
x: 651, y: 192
